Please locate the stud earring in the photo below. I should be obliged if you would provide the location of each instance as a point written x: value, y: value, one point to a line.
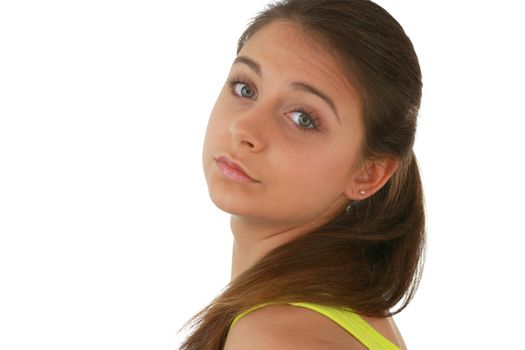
x: 362, y: 192
x: 349, y: 207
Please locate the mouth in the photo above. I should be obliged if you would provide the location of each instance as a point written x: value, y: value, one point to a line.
x: 233, y: 171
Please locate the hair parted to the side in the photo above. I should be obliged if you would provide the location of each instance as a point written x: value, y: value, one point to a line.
x: 369, y: 259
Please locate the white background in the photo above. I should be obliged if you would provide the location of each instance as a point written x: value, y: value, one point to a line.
x: 107, y: 237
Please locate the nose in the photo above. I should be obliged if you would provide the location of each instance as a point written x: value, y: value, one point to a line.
x: 247, y: 132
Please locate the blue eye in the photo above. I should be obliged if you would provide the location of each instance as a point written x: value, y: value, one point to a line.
x: 242, y: 89
x: 304, y: 120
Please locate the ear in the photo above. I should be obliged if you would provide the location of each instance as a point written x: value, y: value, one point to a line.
x: 370, y: 178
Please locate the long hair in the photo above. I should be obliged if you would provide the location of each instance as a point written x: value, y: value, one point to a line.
x: 368, y: 258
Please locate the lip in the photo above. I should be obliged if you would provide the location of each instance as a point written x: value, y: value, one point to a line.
x: 232, y: 170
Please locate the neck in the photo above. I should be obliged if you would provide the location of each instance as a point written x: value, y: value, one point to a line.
x: 252, y: 241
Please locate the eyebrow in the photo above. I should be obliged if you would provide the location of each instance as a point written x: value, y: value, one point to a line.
x: 250, y: 63
x: 297, y: 85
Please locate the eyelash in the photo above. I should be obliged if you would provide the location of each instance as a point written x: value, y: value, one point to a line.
x: 315, y: 121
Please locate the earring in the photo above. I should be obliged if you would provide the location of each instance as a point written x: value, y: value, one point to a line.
x: 362, y: 192
x: 349, y: 207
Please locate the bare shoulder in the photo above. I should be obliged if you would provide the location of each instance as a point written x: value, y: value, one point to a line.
x: 289, y: 328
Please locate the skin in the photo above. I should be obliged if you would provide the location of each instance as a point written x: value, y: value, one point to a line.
x: 304, y: 175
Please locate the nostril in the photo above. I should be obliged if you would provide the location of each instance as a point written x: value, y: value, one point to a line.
x: 248, y: 143
x: 245, y: 136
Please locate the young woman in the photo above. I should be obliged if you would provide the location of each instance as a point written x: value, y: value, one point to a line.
x: 309, y: 148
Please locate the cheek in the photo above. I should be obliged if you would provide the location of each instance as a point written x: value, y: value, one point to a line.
x: 325, y: 161
x: 217, y: 127
x: 303, y: 191
x: 214, y: 119
x: 315, y: 177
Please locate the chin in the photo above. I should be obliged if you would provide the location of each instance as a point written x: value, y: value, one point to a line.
x: 241, y: 211
x: 228, y: 204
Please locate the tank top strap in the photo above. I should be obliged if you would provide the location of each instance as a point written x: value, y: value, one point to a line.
x: 353, y: 324
x: 246, y: 312
x: 346, y: 318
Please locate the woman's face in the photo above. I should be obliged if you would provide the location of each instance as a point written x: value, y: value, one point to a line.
x: 291, y: 120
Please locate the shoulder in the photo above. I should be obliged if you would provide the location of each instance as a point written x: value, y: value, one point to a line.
x: 288, y: 328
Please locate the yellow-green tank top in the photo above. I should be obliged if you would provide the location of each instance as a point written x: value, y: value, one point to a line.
x: 346, y: 318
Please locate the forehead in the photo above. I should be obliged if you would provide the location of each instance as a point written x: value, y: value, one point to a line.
x: 286, y: 52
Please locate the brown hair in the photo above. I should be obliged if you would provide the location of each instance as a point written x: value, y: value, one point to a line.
x: 370, y: 258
